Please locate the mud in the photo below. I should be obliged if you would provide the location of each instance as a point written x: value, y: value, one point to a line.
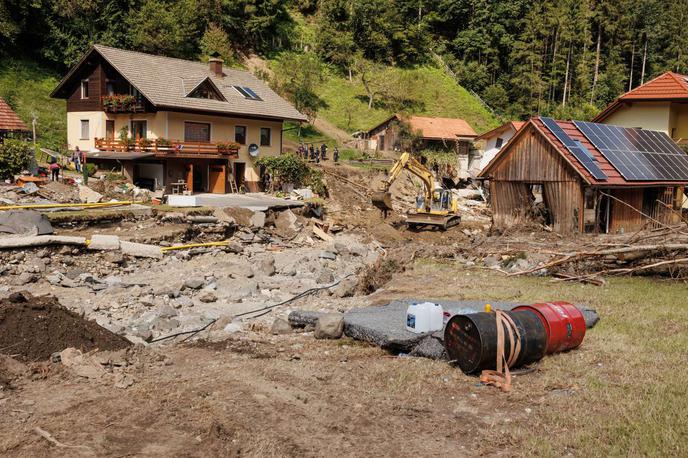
x: 33, y: 328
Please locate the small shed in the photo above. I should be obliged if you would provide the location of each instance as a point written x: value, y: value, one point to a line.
x: 10, y: 123
x: 588, y: 177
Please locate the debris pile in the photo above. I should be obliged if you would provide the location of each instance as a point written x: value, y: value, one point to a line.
x: 33, y: 328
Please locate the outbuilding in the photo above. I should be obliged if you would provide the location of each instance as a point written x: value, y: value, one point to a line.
x: 591, y: 177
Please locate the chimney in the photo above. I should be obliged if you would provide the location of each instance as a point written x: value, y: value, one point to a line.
x: 215, y: 64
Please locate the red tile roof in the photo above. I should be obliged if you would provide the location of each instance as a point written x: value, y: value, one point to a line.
x: 9, y: 121
x: 515, y: 125
x: 668, y: 86
x: 614, y: 178
x: 441, y: 128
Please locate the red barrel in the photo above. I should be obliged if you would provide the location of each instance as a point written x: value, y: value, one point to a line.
x: 564, y: 324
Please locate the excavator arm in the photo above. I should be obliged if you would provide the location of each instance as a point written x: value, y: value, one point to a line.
x: 383, y: 199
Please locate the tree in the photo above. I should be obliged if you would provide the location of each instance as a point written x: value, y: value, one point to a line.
x: 215, y: 40
x: 297, y: 77
x: 165, y: 27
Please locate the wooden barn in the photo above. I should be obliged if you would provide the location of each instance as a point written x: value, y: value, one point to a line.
x: 588, y: 177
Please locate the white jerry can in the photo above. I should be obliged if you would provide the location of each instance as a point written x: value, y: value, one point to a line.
x: 424, y: 317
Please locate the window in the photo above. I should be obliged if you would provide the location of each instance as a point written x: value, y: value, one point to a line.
x: 206, y: 90
x: 265, y: 136
x: 84, y: 129
x: 247, y: 92
x: 84, y: 89
x: 109, y: 87
x: 196, y: 132
x: 139, y: 129
x: 240, y: 134
x: 109, y: 129
x: 500, y: 142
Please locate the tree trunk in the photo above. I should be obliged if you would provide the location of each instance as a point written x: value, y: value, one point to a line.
x: 566, y: 76
x: 630, y: 76
x: 642, y: 72
x: 554, y: 63
x: 597, y: 63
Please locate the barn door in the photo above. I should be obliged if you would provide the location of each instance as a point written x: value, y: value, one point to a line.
x: 217, y: 178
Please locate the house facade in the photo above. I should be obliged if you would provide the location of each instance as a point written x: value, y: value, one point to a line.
x: 660, y: 104
x: 168, y: 122
x: 495, y: 139
x: 593, y: 177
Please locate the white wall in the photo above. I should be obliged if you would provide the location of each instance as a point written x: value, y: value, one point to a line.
x: 491, y: 149
x: 96, y: 121
x: 648, y: 115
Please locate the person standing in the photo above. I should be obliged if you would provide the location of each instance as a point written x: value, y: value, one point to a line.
x: 76, y: 158
x: 335, y: 154
x: 312, y: 152
x: 323, y: 152
x: 54, y: 170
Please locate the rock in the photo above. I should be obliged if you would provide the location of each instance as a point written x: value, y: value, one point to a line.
x: 164, y: 324
x: 267, y: 266
x: 245, y: 236
x: 142, y: 333
x: 104, y: 242
x: 147, y: 300
x: 280, y: 326
x: 430, y: 347
x: 346, y: 288
x: 54, y: 279
x: 167, y: 312
x: 327, y: 255
x: 123, y: 381
x: 257, y: 220
x: 88, y: 195
x: 24, y: 222
x: 232, y: 327
x: 26, y: 278
x: 140, y: 250
x: 242, y: 216
x: 286, y: 224
x: 329, y: 326
x: 166, y: 291
x: 182, y: 301
x: 325, y: 277
x: 303, y: 318
x: 207, y: 297
x: 234, y: 247
x: 194, y: 283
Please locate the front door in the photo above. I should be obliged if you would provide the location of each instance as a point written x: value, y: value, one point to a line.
x: 239, y: 171
x: 138, y: 129
x: 189, y: 177
x: 217, y: 177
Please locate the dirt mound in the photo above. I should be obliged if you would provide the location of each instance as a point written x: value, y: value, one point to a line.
x: 32, y: 328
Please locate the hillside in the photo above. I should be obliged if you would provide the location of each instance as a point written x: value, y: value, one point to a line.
x: 26, y: 87
x: 435, y: 94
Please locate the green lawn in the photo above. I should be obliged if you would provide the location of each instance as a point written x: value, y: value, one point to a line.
x: 436, y: 94
x: 26, y: 87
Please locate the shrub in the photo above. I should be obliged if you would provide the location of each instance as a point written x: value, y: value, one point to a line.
x: 90, y: 169
x: 288, y: 168
x: 15, y: 156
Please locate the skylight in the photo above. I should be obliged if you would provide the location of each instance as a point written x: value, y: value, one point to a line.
x: 247, y: 92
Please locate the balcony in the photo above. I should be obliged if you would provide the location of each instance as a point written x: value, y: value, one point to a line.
x: 122, y: 104
x: 171, y: 148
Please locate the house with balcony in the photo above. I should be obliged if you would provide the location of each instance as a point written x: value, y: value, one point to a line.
x: 172, y: 123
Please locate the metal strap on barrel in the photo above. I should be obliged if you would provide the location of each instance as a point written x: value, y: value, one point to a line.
x: 501, y: 378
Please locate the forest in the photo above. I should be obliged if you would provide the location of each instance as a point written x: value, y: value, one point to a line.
x: 566, y: 58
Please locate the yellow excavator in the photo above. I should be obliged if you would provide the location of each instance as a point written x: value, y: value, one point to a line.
x: 438, y: 207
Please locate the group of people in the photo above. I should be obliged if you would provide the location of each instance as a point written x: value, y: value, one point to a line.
x: 77, y: 159
x: 313, y: 153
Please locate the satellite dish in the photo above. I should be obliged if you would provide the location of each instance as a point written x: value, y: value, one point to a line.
x: 253, y: 150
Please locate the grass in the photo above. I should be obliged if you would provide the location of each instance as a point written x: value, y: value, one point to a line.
x: 436, y: 94
x: 26, y: 87
x: 309, y: 134
x: 623, y: 391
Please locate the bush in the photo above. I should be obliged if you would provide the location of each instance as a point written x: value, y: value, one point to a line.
x: 15, y: 156
x: 90, y: 169
x: 288, y: 168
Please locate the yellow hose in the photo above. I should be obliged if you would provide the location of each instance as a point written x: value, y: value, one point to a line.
x: 92, y: 205
x: 194, y: 245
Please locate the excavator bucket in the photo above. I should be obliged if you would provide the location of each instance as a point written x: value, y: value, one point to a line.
x: 382, y: 200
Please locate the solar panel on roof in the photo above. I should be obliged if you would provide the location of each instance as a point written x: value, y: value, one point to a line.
x: 247, y: 92
x: 576, y: 148
x: 638, y: 154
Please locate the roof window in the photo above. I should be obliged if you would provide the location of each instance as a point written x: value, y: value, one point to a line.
x: 247, y: 92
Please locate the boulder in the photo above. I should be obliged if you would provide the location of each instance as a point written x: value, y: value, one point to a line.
x: 280, y: 326
x: 88, y: 195
x: 257, y: 220
x: 194, y: 283
x: 25, y: 222
x: 346, y: 288
x: 303, y: 318
x: 329, y: 326
x: 207, y: 297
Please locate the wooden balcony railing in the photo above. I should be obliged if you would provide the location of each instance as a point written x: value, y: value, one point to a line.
x: 168, y: 148
x: 122, y: 104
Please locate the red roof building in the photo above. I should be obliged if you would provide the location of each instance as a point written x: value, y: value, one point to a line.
x: 9, y: 120
x: 660, y: 104
x: 536, y: 159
